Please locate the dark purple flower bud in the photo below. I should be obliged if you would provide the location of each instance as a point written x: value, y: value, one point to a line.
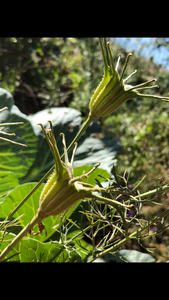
x: 131, y: 213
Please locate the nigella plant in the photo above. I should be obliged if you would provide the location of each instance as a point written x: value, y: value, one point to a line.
x: 113, y: 91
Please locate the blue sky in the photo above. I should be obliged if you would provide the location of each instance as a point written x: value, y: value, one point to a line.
x: 139, y: 45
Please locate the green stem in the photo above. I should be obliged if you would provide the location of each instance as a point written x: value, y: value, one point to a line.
x: 79, y: 134
x: 10, y: 124
x: 3, y: 108
x: 80, y: 233
x: 12, y: 142
x: 109, y: 201
x: 83, y: 128
x: 16, y: 240
x: 152, y: 192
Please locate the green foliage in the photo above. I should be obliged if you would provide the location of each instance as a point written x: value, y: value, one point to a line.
x: 8, y: 181
x: 65, y: 72
x: 31, y: 250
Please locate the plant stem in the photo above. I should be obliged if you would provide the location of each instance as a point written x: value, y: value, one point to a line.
x: 152, y: 192
x: 12, y: 142
x: 79, y: 134
x: 16, y: 240
x: 109, y: 201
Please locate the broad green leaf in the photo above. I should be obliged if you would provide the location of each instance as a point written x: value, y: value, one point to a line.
x: 13, y: 255
x: 28, y: 209
x: 8, y: 181
x: 32, y: 250
x: 16, y: 158
x: 16, y: 196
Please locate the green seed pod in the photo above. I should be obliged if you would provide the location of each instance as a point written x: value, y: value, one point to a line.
x: 112, y: 91
x: 61, y: 190
x: 57, y: 196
